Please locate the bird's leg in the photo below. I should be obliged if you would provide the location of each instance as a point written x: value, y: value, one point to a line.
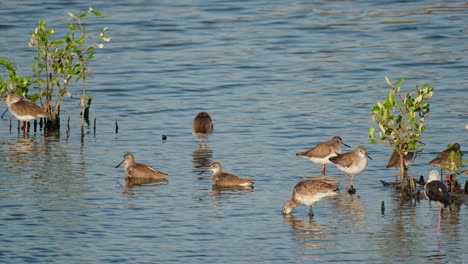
x: 438, y: 225
x: 311, y: 214
x: 449, y: 180
x: 346, y: 180
x: 352, y: 180
x: 323, y: 169
x: 396, y: 175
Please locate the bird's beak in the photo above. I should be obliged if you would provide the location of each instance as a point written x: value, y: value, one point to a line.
x: 203, y: 171
x: 368, y: 156
x: 345, y: 145
x: 120, y: 163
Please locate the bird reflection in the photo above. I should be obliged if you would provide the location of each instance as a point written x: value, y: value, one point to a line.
x: 202, y: 158
x: 312, y: 234
x: 217, y: 190
x: 131, y: 183
x: 351, y: 212
x: 22, y: 150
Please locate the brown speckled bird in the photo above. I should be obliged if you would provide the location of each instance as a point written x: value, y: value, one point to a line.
x: 225, y: 179
x: 352, y: 162
x: 444, y: 161
x: 202, y: 127
x: 140, y: 171
x: 310, y: 191
x: 24, y: 110
x: 322, y: 152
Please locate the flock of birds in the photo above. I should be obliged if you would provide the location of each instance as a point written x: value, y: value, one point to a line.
x: 305, y: 192
x: 308, y: 191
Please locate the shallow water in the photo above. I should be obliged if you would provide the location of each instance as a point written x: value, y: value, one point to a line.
x: 277, y: 78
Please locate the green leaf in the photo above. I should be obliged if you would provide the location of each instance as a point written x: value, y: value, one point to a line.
x: 72, y: 27
x: 388, y: 81
x: 376, y: 109
x: 390, y: 99
x: 56, y: 42
x: 96, y: 13
x: 400, y: 81
x: 91, y: 56
x: 371, y: 132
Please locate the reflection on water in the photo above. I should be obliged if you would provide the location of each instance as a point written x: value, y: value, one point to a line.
x: 132, y: 183
x: 21, y: 151
x: 135, y: 182
x: 217, y: 190
x: 311, y: 234
x: 201, y: 158
x: 351, y: 212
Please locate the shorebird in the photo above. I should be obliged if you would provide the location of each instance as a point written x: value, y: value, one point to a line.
x: 323, y: 151
x: 351, y: 162
x: 436, y: 191
x: 224, y: 179
x: 140, y: 171
x: 310, y: 191
x: 394, y: 161
x: 448, y: 161
x: 202, y: 127
x: 24, y: 110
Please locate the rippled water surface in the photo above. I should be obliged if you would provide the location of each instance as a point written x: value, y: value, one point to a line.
x: 277, y: 77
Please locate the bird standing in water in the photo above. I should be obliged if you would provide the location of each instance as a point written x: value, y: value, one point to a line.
x: 394, y: 161
x: 436, y: 191
x: 449, y: 160
x: 351, y: 162
x: 24, y: 110
x: 323, y: 152
x: 310, y: 191
x: 202, y: 127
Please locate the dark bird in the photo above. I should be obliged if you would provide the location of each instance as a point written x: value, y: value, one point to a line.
x: 436, y: 191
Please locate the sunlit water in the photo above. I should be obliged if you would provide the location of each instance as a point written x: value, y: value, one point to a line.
x: 277, y: 78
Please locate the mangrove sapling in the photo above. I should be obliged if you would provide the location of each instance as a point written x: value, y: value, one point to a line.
x: 400, y: 119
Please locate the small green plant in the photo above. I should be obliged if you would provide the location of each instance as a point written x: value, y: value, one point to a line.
x: 59, y: 61
x: 57, y: 64
x: 84, y: 53
x: 16, y: 82
x: 400, y: 120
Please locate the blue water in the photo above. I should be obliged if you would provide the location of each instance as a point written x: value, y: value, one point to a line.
x: 277, y: 78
